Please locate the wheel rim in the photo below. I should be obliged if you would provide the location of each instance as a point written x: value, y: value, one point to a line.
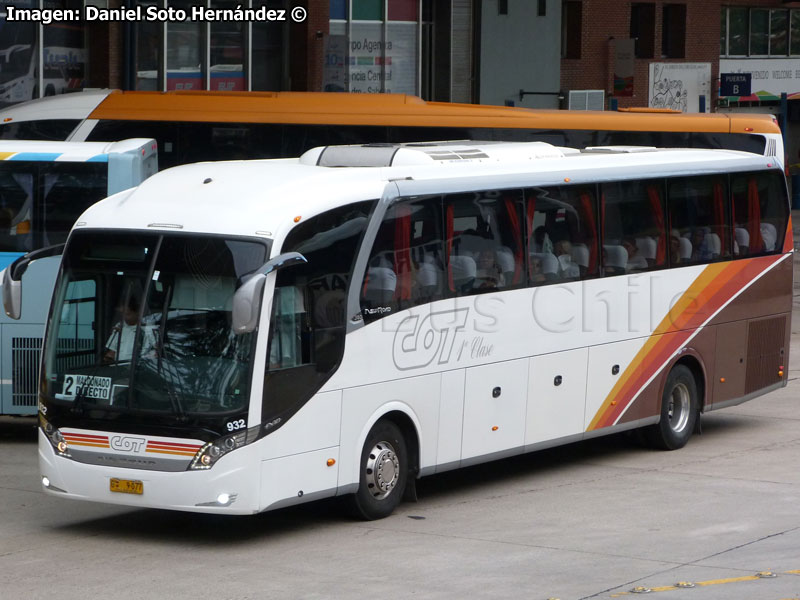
x: 382, y: 471
x: 678, y: 408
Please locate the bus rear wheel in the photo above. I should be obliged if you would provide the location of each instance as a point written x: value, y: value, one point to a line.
x: 383, y: 472
x: 680, y: 409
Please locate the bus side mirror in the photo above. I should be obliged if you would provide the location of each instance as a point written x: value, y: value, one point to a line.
x: 247, y: 299
x: 12, y: 295
x: 12, y: 278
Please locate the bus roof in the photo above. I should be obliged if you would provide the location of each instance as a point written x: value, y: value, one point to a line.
x: 334, y: 108
x: 76, y: 105
x: 68, y: 151
x: 402, y: 110
x: 265, y: 197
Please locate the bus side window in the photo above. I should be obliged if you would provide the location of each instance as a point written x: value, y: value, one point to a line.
x: 698, y: 220
x: 405, y: 266
x: 634, y: 226
x: 760, y: 210
x: 16, y: 204
x: 307, y: 326
x: 484, y: 249
x: 562, y: 233
x: 67, y: 190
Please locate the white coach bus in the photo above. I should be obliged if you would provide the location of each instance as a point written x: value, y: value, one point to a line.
x: 237, y: 337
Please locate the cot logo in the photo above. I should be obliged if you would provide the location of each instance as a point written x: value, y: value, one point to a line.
x: 423, y: 339
x: 126, y: 444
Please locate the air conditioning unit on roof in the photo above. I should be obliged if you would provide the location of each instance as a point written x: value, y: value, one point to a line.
x: 587, y: 100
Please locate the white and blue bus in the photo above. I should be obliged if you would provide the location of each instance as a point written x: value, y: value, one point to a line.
x: 44, y: 187
x: 237, y: 337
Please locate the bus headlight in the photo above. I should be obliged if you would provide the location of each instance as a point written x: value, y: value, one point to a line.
x: 209, y: 454
x: 56, y: 439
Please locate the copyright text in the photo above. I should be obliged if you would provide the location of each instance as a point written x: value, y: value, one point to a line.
x: 198, y: 13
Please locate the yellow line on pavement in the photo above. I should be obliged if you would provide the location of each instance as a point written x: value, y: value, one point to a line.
x: 669, y: 588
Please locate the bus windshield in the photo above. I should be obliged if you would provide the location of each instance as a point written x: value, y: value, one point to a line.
x: 39, y: 200
x: 155, y: 310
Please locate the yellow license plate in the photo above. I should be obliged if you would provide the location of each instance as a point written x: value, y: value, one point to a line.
x: 127, y: 486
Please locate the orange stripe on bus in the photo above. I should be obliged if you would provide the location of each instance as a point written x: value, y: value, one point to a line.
x: 92, y: 444
x: 170, y: 446
x: 788, y: 240
x: 175, y: 452
x: 714, y: 287
x: 90, y: 438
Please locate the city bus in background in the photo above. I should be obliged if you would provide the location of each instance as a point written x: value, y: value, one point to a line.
x: 44, y: 186
x: 193, y: 126
x: 236, y: 337
x: 63, y: 57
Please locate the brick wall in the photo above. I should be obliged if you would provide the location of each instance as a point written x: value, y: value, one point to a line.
x: 606, y: 19
x: 307, y: 44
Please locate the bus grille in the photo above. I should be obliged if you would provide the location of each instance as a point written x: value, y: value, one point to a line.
x: 771, y: 148
x: 25, y: 353
x: 765, y: 345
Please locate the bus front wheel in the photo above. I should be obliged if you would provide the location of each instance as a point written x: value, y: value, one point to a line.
x: 383, y: 472
x: 680, y: 409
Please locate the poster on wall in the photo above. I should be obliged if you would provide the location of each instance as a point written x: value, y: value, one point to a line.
x: 679, y: 86
x: 334, y: 72
x: 769, y: 77
x: 623, y: 67
x: 372, y: 60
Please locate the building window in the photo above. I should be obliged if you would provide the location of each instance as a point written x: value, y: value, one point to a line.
x: 223, y: 54
x: 673, y: 31
x: 738, y: 37
x: 185, y: 50
x: 759, y: 32
x: 778, y: 32
x: 794, y: 32
x: 148, y: 44
x: 66, y: 66
x: 643, y: 28
x: 369, y: 51
x: 541, y: 9
x: 270, y: 53
x: 571, y: 28
x: 227, y: 52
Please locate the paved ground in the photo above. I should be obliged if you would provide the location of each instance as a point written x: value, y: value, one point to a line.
x: 591, y: 520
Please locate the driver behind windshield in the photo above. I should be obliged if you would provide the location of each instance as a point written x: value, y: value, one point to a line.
x: 119, y: 347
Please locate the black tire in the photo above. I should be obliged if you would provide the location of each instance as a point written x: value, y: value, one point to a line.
x: 383, y: 470
x: 680, y: 409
